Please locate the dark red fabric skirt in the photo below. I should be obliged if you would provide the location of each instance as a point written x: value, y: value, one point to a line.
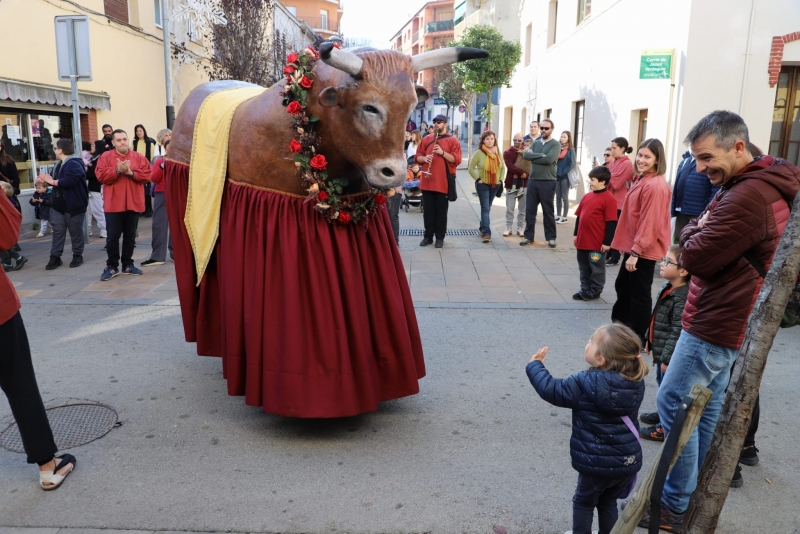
x: 310, y: 319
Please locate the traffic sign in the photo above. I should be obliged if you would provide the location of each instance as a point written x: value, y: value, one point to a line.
x: 462, y: 108
x: 72, y: 47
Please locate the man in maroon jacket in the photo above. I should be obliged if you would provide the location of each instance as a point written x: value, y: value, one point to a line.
x: 515, y: 198
x: 746, y: 218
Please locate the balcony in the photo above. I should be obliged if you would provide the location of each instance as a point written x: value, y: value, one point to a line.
x: 440, y: 26
x: 479, y: 17
x: 415, y: 37
x: 321, y: 24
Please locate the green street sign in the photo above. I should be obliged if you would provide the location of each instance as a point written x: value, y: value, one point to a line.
x: 655, y: 67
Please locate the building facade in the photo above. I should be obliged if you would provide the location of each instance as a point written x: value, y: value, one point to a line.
x: 323, y: 16
x: 607, y: 68
x: 430, y: 28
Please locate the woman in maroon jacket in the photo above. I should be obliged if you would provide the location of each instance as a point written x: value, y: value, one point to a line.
x: 17, y: 379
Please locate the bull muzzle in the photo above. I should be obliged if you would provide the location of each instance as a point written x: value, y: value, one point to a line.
x: 386, y: 173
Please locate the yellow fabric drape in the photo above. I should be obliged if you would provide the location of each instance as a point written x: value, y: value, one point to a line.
x: 207, y: 169
x: 491, y: 167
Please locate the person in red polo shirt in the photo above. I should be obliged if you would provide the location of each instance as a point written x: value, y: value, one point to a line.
x: 17, y: 379
x: 123, y: 173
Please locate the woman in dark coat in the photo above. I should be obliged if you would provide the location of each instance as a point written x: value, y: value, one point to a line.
x: 146, y: 146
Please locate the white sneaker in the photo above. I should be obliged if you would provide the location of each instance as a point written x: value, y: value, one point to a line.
x: 103, y: 233
x: 40, y: 234
x: 90, y: 232
x: 507, y: 233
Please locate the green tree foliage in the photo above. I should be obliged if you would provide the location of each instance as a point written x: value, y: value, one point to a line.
x: 451, y: 87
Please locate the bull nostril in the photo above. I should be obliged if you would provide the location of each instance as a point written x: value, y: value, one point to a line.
x: 386, y: 171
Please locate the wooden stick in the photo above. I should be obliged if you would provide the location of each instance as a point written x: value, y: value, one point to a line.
x: 640, y: 498
x: 765, y: 319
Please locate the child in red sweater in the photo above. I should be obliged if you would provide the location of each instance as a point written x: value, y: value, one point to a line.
x: 595, y: 223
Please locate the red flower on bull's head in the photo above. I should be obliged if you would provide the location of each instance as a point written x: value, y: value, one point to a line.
x: 292, y: 58
x: 318, y: 162
x: 313, y: 51
x: 294, y: 146
x: 344, y: 218
x: 289, y: 69
x: 305, y: 82
x: 294, y: 107
x: 380, y: 199
x: 323, y: 196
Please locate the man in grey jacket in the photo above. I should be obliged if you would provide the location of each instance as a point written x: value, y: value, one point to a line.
x: 543, y: 154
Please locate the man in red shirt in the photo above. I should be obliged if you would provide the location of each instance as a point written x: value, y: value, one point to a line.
x: 123, y: 172
x: 439, y: 155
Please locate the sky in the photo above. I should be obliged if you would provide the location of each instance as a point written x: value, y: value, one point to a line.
x: 377, y: 20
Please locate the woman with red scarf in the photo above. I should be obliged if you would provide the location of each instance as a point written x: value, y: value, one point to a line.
x: 487, y: 167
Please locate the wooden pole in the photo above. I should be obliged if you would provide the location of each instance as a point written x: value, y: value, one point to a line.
x: 640, y: 498
x: 723, y: 455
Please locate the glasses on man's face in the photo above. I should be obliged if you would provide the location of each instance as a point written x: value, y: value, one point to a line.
x: 606, y: 155
x: 666, y: 262
x: 438, y: 122
x: 545, y: 128
x: 517, y: 140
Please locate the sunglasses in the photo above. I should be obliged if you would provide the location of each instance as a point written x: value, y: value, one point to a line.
x: 606, y: 155
x: 545, y: 128
x: 517, y: 140
x: 666, y: 262
x: 438, y: 122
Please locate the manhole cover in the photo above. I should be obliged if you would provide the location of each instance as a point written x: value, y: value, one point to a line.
x: 415, y: 232
x: 73, y: 425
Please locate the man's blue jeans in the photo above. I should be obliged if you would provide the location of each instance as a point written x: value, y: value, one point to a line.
x: 694, y: 361
x: 486, y: 194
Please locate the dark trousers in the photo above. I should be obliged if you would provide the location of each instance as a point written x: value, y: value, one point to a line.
x: 592, y: 266
x: 634, y: 304
x: 596, y: 492
x: 18, y: 382
x: 61, y: 222
x: 614, y: 255
x: 540, y: 192
x: 393, y: 205
x: 562, y: 197
x: 122, y: 223
x: 434, y: 214
x: 681, y: 221
x: 148, y: 200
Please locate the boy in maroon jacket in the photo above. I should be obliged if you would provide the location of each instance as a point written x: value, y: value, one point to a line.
x: 595, y: 222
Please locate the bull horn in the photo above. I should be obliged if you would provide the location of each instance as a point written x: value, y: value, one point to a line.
x: 446, y: 56
x: 340, y: 59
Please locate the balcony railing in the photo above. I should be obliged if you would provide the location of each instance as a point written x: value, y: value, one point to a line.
x: 479, y: 17
x: 324, y: 24
x: 440, y: 26
x: 415, y: 37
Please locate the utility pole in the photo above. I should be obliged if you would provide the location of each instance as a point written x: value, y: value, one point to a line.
x: 165, y: 21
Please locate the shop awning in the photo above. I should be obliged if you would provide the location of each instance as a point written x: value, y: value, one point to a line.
x: 37, y: 93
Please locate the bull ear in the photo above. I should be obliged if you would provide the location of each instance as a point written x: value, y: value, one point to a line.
x: 422, y: 94
x: 329, y: 97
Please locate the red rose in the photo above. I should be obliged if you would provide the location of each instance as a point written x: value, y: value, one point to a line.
x: 289, y: 69
x: 322, y: 196
x: 305, y: 82
x: 294, y: 146
x: 344, y: 218
x: 336, y: 45
x: 291, y: 58
x: 318, y: 162
x: 380, y: 199
x: 313, y: 51
x: 294, y: 107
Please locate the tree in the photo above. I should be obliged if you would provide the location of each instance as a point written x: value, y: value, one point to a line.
x: 485, y: 75
x: 451, y: 88
x: 246, y: 48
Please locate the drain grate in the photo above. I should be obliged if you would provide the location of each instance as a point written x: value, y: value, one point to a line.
x: 72, y: 425
x: 449, y: 232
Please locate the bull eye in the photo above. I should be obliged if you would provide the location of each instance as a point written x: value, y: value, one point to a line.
x: 370, y: 109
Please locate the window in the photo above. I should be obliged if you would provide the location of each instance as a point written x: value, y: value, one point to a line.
x: 577, y: 131
x: 584, y: 10
x: 784, y: 136
x: 157, y: 10
x: 116, y: 9
x: 552, y: 22
x: 323, y: 19
x: 528, y: 35
x: 292, y: 10
x: 460, y: 12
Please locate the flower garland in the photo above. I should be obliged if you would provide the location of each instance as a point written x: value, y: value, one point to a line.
x: 311, y: 165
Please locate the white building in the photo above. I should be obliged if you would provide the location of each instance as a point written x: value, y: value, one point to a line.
x: 652, y: 68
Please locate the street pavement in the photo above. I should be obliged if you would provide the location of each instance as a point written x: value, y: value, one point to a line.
x: 475, y: 449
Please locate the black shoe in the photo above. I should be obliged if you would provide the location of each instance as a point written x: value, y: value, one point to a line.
x: 8, y: 267
x: 425, y: 242
x: 551, y: 243
x: 54, y: 263
x: 16, y: 247
x: 439, y: 243
x: 652, y: 433
x: 670, y: 521
x: 649, y: 418
x: 525, y: 242
x: 749, y: 456
x: 578, y: 296
x: 19, y: 263
x: 611, y: 263
x: 77, y: 261
x: 737, y: 481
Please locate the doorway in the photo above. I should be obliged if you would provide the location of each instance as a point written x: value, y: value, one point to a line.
x: 784, y: 141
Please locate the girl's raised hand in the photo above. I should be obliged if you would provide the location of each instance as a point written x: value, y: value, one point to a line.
x: 540, y: 354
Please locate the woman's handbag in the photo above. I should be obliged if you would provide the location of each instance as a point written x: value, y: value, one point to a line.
x: 574, y: 176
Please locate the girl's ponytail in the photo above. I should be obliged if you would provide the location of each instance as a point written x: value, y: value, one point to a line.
x: 623, y: 144
x: 621, y: 348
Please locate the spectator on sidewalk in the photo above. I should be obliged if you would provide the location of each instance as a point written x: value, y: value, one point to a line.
x: 543, y: 155
x: 146, y: 146
x: 534, y: 132
x: 566, y: 160
x: 690, y: 195
x: 160, y: 223
x: 17, y: 378
x: 487, y: 168
x: 96, y: 191
x: 516, y: 178
x: 621, y: 180
x: 10, y: 175
x: 123, y: 174
x: 41, y: 201
x: 643, y: 237
x: 68, y: 206
x: 416, y: 140
x: 105, y: 141
x: 11, y: 259
x: 749, y: 213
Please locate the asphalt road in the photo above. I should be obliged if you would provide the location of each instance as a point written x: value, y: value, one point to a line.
x: 475, y: 448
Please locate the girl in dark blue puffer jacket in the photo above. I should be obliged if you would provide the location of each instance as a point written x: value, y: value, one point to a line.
x: 605, y: 400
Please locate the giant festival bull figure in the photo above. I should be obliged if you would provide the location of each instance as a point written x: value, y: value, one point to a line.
x: 310, y: 318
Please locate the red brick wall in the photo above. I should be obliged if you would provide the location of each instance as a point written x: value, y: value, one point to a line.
x: 776, y: 55
x: 89, y: 126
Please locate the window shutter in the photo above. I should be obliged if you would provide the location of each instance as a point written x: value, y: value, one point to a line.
x: 117, y: 9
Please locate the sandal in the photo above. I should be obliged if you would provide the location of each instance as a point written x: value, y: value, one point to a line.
x: 49, y: 480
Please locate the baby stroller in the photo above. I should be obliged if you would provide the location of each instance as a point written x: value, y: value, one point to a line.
x: 412, y: 194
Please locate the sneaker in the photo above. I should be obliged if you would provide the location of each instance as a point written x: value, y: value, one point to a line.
x: 109, y: 273
x: 132, y: 269
x: 439, y: 243
x: 520, y: 233
x: 551, y: 243
x: 611, y: 263
x: 737, y: 481
x: 649, y: 418
x: 7, y: 267
x: 578, y: 296
x: 653, y: 433
x: 513, y: 190
x: 152, y: 263
x: 90, y: 232
x: 507, y: 233
x: 54, y: 263
x: 525, y: 242
x: 19, y: 263
x: 749, y: 455
x: 103, y: 233
x: 77, y: 261
x: 40, y: 234
x: 561, y: 220
x: 670, y: 521
x: 520, y: 192
x: 486, y: 238
x: 425, y: 242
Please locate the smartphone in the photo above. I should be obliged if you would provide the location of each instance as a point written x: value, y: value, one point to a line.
x: 594, y: 161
